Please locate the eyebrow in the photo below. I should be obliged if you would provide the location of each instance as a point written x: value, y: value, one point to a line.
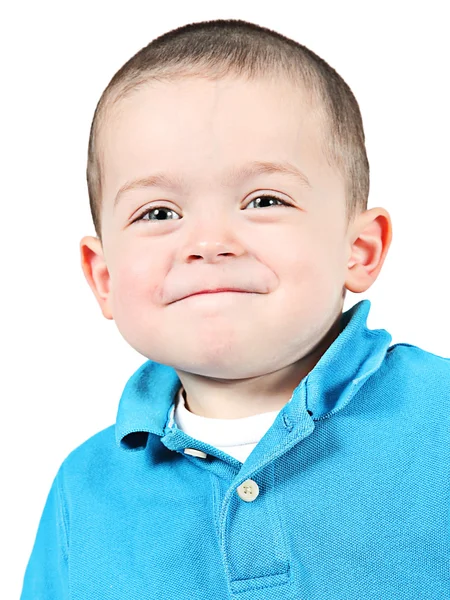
x: 173, y: 182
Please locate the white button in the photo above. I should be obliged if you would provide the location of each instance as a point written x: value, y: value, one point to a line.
x: 248, y: 491
x: 194, y: 452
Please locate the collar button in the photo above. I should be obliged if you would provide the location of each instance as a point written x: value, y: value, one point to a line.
x: 194, y: 452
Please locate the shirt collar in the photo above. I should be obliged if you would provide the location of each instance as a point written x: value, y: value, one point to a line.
x: 148, y: 398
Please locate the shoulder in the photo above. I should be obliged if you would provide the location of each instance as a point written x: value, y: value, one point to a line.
x: 421, y: 376
x: 98, y: 448
x: 94, y: 463
x: 100, y: 465
x: 99, y: 445
x: 417, y: 361
x: 410, y: 392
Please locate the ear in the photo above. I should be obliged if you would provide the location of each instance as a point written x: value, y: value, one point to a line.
x: 370, y: 238
x: 96, y: 272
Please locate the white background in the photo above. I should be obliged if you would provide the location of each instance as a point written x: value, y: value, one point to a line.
x: 63, y: 365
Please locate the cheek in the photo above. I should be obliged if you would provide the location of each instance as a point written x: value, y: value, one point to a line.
x: 137, y: 281
x: 312, y: 264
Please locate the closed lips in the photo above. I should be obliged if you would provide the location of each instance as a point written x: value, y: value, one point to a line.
x: 182, y: 284
x: 216, y: 291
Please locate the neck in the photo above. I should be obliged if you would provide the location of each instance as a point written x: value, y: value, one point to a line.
x: 238, y: 398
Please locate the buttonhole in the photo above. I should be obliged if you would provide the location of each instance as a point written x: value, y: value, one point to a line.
x: 287, y: 423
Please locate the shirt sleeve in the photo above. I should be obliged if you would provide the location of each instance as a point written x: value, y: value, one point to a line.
x: 46, y: 575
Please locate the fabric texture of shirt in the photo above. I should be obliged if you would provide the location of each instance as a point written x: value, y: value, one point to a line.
x: 236, y: 437
x: 345, y: 497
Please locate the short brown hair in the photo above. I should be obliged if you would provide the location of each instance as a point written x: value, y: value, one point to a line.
x: 220, y: 48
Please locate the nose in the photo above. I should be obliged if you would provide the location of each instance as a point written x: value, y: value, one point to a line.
x: 211, y: 241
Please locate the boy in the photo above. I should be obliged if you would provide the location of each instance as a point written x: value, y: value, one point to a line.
x: 272, y: 446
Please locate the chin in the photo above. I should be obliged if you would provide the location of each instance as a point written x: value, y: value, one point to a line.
x: 229, y: 366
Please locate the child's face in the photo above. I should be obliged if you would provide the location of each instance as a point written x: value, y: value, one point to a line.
x: 292, y: 259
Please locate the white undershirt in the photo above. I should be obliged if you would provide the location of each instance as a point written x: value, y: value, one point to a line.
x: 236, y: 437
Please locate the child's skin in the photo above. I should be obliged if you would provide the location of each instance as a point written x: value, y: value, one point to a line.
x: 237, y: 354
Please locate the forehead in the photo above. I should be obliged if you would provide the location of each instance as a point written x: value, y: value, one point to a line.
x: 201, y: 129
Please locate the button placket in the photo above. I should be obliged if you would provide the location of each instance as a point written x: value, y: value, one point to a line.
x: 256, y: 560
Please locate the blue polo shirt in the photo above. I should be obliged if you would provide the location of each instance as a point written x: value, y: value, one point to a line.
x: 346, y: 496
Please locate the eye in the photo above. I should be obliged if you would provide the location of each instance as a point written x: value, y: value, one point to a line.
x: 162, y: 213
x: 158, y: 213
x: 265, y: 200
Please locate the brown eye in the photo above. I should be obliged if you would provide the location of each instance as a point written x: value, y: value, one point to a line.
x: 160, y: 213
x: 264, y: 201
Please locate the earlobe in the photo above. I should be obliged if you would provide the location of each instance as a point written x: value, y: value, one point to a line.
x: 369, y: 249
x: 96, y: 272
